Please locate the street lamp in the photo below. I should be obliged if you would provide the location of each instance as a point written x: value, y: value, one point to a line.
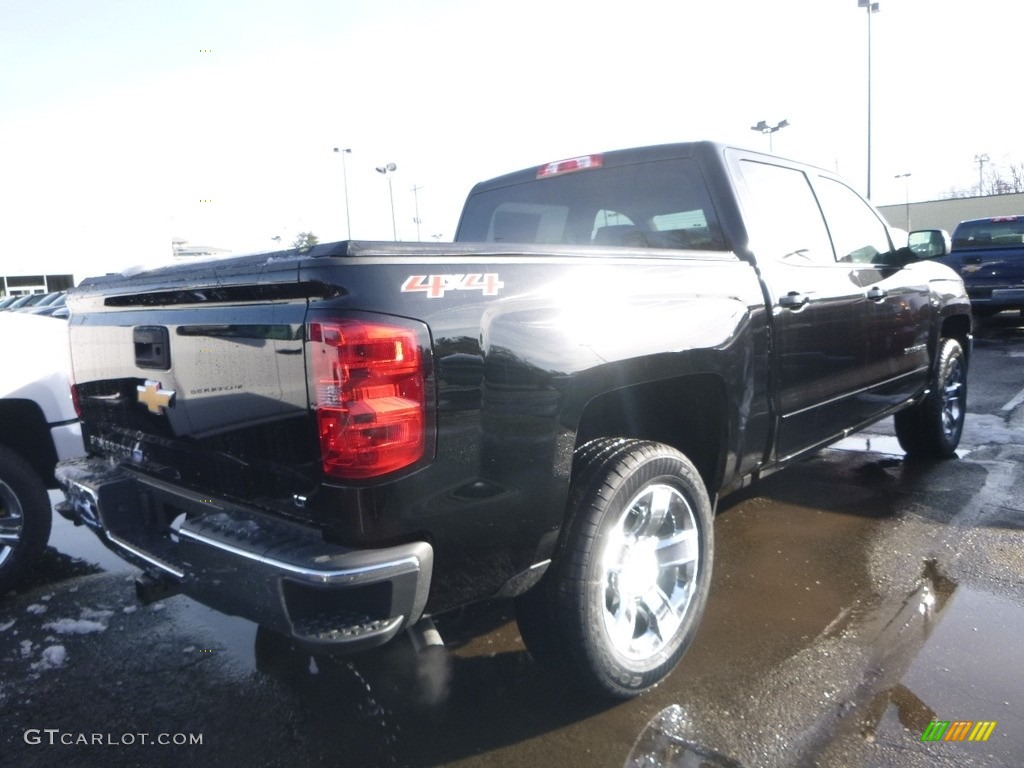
x: 906, y: 193
x: 871, y: 8
x: 387, y: 170
x: 416, y: 198
x: 763, y: 127
x: 344, y: 176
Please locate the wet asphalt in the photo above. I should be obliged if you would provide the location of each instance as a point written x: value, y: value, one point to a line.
x: 857, y: 598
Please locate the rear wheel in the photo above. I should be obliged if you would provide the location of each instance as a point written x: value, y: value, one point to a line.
x: 25, y: 517
x: 932, y: 428
x: 622, y: 603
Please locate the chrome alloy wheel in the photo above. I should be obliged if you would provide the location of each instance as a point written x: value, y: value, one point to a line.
x: 953, y: 391
x: 11, y: 521
x: 649, y: 571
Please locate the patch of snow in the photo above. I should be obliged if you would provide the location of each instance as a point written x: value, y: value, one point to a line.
x: 53, y: 657
x: 75, y: 626
x: 158, y: 607
x: 36, y: 609
x: 130, y: 608
x: 8, y: 625
x: 96, y: 614
x: 26, y: 648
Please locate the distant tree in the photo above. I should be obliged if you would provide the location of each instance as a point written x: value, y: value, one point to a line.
x: 1003, y: 180
x: 305, y: 240
x: 997, y: 180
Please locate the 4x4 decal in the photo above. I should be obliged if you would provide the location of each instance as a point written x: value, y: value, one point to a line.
x: 435, y: 285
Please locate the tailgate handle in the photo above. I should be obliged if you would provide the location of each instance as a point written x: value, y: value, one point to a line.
x: 152, y: 347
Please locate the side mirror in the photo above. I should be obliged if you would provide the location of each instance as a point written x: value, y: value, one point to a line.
x: 929, y: 243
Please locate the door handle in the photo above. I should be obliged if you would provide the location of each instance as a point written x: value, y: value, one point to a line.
x: 877, y: 294
x: 794, y: 300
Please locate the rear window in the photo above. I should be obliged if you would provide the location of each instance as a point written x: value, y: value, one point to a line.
x: 663, y: 204
x: 989, y: 233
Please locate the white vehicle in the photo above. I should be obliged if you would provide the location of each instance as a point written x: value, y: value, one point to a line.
x: 38, y: 428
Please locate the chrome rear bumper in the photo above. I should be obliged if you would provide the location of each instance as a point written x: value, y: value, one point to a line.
x: 239, y: 561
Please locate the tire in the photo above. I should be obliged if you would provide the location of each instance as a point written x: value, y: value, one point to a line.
x: 25, y: 517
x: 621, y: 603
x: 932, y: 427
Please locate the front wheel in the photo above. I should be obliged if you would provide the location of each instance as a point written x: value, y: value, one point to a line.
x: 622, y: 603
x: 25, y: 517
x: 932, y: 428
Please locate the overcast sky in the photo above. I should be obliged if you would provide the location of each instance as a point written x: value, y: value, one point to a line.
x: 124, y: 123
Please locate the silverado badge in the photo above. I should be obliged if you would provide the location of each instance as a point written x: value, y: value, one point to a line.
x: 154, y: 397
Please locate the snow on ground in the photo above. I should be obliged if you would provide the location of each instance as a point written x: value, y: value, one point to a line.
x: 36, y: 609
x: 53, y: 657
x: 75, y: 626
x: 8, y: 625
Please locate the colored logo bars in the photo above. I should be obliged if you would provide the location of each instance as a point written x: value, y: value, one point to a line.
x: 958, y: 730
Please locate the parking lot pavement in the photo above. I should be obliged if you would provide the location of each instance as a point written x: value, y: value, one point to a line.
x: 858, y: 599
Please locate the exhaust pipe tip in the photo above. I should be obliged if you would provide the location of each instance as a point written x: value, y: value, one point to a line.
x: 425, y: 635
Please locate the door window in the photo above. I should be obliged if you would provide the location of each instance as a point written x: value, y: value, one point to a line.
x: 785, y: 220
x: 858, y: 235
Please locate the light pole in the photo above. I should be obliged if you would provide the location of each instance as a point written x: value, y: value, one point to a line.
x: 906, y: 193
x: 871, y: 8
x: 981, y: 160
x: 763, y: 127
x: 387, y: 170
x: 344, y: 176
x: 416, y: 199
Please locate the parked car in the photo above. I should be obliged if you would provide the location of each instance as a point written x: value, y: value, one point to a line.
x: 50, y: 308
x: 989, y: 255
x: 32, y: 300
x: 38, y: 428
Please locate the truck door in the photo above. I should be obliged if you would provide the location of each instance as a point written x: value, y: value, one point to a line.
x: 819, y: 307
x: 896, y: 317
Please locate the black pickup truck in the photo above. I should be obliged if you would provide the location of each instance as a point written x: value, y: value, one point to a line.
x: 340, y: 442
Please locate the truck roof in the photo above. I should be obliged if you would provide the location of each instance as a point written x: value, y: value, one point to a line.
x: 607, y: 159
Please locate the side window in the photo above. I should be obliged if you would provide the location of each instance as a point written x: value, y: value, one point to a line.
x: 858, y: 234
x: 785, y: 218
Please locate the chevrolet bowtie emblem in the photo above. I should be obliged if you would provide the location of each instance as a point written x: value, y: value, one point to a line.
x: 154, y: 397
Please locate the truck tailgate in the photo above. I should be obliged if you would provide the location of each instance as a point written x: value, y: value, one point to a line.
x: 205, y: 385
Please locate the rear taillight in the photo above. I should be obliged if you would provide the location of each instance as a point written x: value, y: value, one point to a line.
x: 370, y: 395
x: 76, y: 401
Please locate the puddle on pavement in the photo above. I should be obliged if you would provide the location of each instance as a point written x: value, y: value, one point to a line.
x: 949, y: 653
x: 233, y: 636
x: 970, y: 667
x: 80, y: 543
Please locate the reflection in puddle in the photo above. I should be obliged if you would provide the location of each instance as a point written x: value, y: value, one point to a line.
x: 81, y: 543
x: 664, y: 744
x: 887, y: 445
x: 950, y: 653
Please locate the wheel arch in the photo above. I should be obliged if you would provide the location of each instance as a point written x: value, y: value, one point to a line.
x: 688, y: 413
x: 27, y: 433
x: 958, y: 327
